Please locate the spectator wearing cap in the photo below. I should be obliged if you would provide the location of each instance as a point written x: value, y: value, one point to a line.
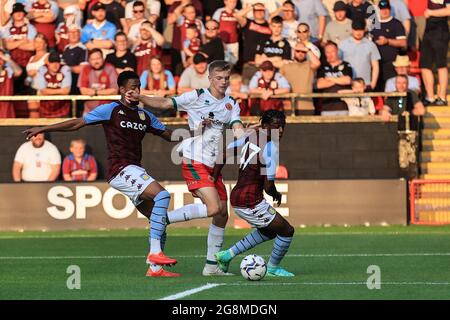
x: 181, y: 15
x: 390, y: 39
x: 115, y: 13
x: 213, y: 47
x: 148, y: 46
x: 228, y: 28
x: 254, y: 32
x: 61, y: 32
x: 97, y: 79
x: 333, y: 76
x: 152, y: 9
x: 290, y: 23
x: 195, y: 76
x: 313, y: 13
x: 433, y: 51
x: 53, y: 79
x: 402, y: 65
x: 19, y: 36
x: 74, y: 56
x: 305, y: 63
x: 100, y: 32
x: 341, y: 27
x: 122, y: 58
x: 8, y: 71
x: 267, y: 82
x: 362, y: 54
x: 43, y: 14
x: 276, y: 49
x: 133, y: 24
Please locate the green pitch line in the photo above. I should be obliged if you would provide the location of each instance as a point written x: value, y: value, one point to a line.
x: 330, y: 263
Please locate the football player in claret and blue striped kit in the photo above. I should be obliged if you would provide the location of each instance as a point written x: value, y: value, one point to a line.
x: 125, y: 125
x: 257, y: 168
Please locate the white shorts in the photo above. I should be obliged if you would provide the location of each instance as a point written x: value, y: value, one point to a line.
x: 258, y: 217
x: 132, y: 181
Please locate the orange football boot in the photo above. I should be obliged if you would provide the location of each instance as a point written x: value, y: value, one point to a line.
x: 160, y: 258
x: 161, y: 273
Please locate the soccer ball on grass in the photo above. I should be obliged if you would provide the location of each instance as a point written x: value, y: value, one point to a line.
x: 253, y: 267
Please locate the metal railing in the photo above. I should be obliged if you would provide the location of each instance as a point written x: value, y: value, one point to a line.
x: 293, y: 97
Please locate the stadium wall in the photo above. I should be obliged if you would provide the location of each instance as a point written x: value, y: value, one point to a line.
x: 312, y: 148
x: 70, y: 206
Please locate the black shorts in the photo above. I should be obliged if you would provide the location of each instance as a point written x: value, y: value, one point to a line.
x: 433, y: 49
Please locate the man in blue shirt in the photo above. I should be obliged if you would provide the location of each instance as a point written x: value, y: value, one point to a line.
x: 313, y: 13
x: 100, y: 33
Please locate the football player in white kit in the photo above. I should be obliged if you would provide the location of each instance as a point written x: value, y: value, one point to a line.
x: 211, y: 110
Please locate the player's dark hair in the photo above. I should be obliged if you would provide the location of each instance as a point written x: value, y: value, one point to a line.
x: 277, y: 20
x: 269, y: 115
x: 123, y: 77
x: 91, y: 52
x: 219, y: 65
x: 138, y: 4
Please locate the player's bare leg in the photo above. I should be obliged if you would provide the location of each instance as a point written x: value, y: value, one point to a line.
x: 154, y: 206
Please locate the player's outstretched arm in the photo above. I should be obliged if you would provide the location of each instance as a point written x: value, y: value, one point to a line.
x: 69, y: 125
x: 155, y: 102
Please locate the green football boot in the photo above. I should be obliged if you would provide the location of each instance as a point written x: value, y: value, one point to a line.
x: 277, y: 271
x: 223, y: 259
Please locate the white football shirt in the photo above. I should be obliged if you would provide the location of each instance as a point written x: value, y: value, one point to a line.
x: 199, y: 105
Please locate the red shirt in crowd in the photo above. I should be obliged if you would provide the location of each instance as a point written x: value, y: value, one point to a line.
x: 79, y: 171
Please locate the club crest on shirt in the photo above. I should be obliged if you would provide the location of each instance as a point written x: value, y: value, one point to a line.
x: 228, y: 106
x: 281, y: 44
x: 141, y: 115
x: 145, y: 176
x: 341, y: 67
x: 272, y: 210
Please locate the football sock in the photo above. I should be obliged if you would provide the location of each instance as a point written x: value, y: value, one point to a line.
x: 158, y: 220
x: 188, y: 212
x: 280, y: 247
x: 251, y: 240
x: 215, y: 241
x: 163, y: 241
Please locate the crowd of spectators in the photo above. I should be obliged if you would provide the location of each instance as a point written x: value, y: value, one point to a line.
x: 79, y: 47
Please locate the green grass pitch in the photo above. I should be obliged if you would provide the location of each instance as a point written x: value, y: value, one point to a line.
x: 329, y: 263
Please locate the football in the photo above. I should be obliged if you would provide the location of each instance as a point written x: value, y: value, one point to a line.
x: 253, y: 267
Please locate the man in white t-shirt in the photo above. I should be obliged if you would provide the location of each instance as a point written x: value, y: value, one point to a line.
x: 36, y: 160
x: 211, y: 110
